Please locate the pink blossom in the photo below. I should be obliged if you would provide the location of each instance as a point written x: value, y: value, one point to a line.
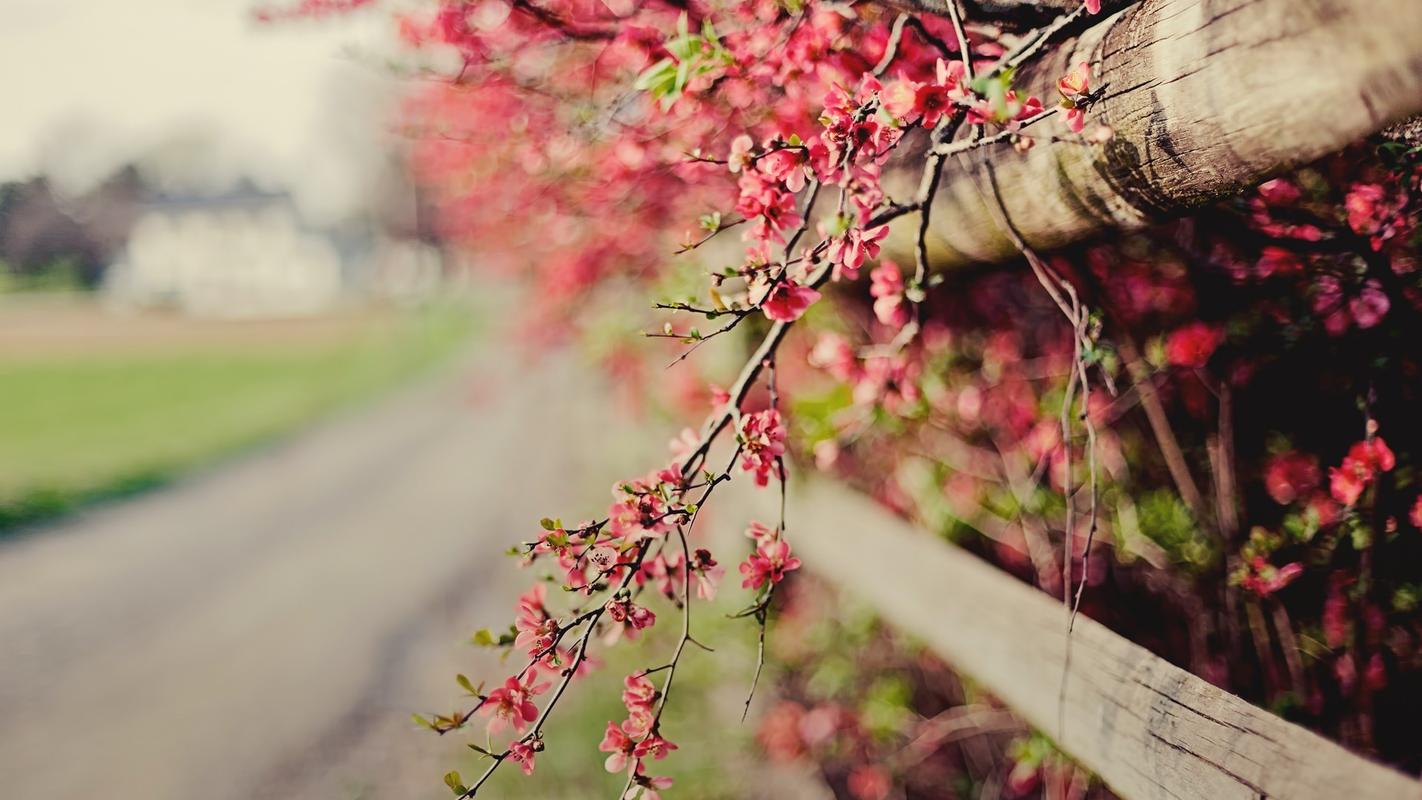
x: 768, y: 564
x: 1093, y: 6
x: 891, y: 381
x: 1275, y: 260
x: 512, y: 703
x: 1290, y: 476
x: 761, y: 533
x: 646, y: 787
x: 870, y: 782
x: 1415, y: 515
x: 654, y: 747
x: 887, y: 287
x: 1265, y: 579
x: 1074, y: 88
x: 834, y: 355
x: 786, y: 165
x: 1345, y: 485
x: 619, y: 744
x: 638, y: 692
x: 707, y: 573
x: 762, y: 444
x: 849, y: 251
x: 787, y: 301
x: 1370, y: 306
x: 633, y: 617
x: 1075, y: 83
x: 1192, y: 345
x: 741, y: 153
x: 1373, y: 211
x: 537, y: 631
x: 522, y: 754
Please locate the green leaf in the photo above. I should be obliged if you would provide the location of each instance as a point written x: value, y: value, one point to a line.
x: 658, y: 73
x: 466, y: 684
x: 484, y: 638
x: 455, y: 783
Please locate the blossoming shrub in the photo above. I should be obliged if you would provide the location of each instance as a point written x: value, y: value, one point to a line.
x: 1256, y: 511
x: 1202, y: 437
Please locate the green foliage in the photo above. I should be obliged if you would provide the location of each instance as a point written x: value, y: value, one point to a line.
x: 80, y: 428
x: 1167, y: 521
x: 692, y: 55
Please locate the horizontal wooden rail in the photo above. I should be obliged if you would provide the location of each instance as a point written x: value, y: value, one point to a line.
x: 1206, y: 97
x: 1147, y: 728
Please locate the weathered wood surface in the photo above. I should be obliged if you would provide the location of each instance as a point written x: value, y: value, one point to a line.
x: 1206, y: 97
x: 1149, y: 729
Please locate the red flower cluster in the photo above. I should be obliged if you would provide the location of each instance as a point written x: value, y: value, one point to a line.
x: 1365, y: 460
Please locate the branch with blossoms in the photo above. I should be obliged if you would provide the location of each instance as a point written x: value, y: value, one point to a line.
x: 784, y: 178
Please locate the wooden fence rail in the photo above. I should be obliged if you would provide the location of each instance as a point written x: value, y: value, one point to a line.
x: 1206, y: 97
x: 1147, y: 728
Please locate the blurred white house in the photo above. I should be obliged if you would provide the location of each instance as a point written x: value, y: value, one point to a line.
x: 241, y: 254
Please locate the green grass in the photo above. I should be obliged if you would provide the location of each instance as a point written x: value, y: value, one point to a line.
x: 76, y: 428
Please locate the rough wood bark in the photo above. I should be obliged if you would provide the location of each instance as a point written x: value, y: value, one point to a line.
x: 1206, y: 97
x: 1149, y: 729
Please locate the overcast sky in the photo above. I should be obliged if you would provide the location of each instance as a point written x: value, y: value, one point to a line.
x: 91, y: 83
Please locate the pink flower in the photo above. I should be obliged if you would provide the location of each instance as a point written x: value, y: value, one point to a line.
x: 1345, y: 485
x: 1075, y: 84
x: 768, y: 564
x: 932, y: 100
x: 1264, y: 578
x: 1192, y: 345
x: 1370, y: 306
x: 512, y: 703
x: 741, y: 153
x: 1362, y: 464
x: 834, y: 355
x: 787, y: 165
x: 1093, y: 6
x: 787, y: 301
x: 1415, y: 516
x: 849, y: 251
x: 762, y: 444
x: 646, y: 787
x: 870, y: 782
x: 522, y: 754
x: 632, y: 616
x: 536, y: 630
x: 761, y: 534
x: 707, y: 573
x: 619, y: 744
x: 1289, y: 476
x: 638, y: 692
x: 1275, y: 260
x: 655, y: 747
x: 887, y: 287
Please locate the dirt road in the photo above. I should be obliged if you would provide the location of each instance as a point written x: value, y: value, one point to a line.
x: 265, y: 629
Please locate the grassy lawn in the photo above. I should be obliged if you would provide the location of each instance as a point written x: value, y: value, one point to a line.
x: 94, y: 406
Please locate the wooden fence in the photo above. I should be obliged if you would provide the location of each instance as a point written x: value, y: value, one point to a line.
x: 1147, y: 728
x: 1206, y: 97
